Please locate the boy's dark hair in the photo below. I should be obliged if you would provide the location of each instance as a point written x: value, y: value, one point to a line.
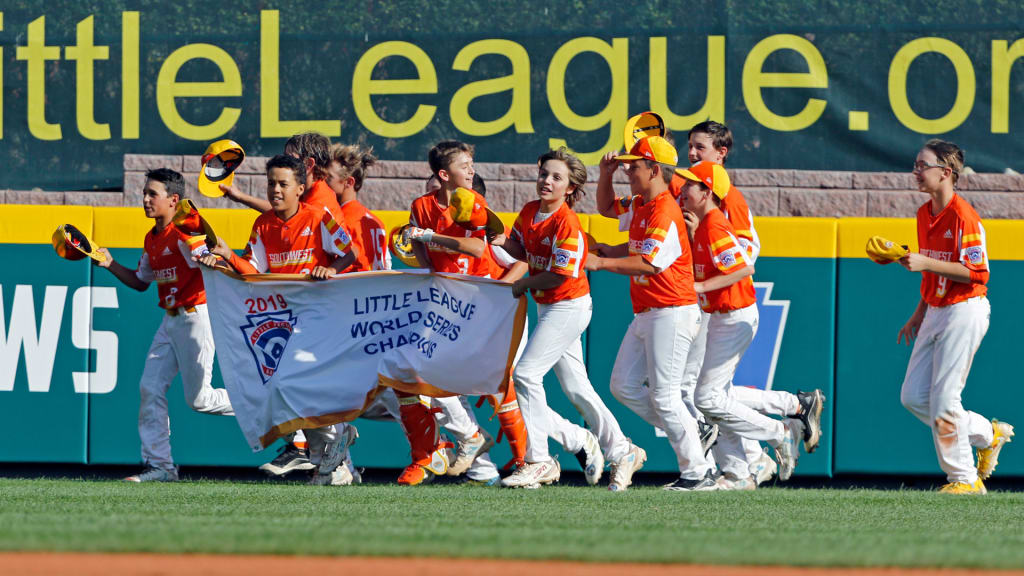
x: 171, y: 179
x: 479, y: 186
x: 441, y: 155
x: 721, y: 136
x: 311, y: 145
x: 292, y: 163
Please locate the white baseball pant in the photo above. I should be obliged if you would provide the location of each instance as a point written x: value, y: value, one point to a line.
x: 654, y: 350
x: 182, y: 343
x: 555, y: 343
x: 318, y: 438
x: 729, y: 335
x: 936, y: 375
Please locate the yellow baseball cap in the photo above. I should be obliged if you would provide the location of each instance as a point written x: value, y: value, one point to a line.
x: 469, y: 211
x: 71, y: 244
x: 400, y: 250
x: 188, y: 220
x: 653, y: 148
x: 711, y: 174
x: 220, y: 161
x: 884, y: 251
x: 640, y: 126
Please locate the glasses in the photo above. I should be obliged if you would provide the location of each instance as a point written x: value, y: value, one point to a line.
x: 922, y: 166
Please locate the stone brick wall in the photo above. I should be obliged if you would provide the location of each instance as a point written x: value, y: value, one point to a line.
x: 393, y: 184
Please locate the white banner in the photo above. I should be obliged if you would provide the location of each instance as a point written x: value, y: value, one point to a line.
x: 298, y: 354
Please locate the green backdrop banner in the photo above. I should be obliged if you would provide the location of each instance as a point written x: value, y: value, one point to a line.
x: 845, y: 84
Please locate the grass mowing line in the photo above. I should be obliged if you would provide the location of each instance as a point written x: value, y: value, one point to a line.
x: 772, y: 526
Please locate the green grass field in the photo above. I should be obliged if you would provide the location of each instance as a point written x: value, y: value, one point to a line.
x: 820, y: 527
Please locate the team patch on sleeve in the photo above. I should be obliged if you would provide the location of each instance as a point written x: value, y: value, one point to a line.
x: 975, y: 255
x: 563, y: 259
x: 650, y: 247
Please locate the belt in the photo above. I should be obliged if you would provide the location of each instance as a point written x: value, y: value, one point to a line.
x: 649, y: 308
x: 172, y: 312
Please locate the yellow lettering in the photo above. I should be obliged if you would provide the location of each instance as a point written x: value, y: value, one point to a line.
x: 714, y: 100
x: 964, y: 85
x: 168, y: 88
x: 35, y: 52
x: 1003, y: 58
x: 85, y: 53
x: 518, y: 82
x: 271, y: 125
x: 615, y: 111
x: 755, y: 79
x: 364, y: 87
x: 129, y: 75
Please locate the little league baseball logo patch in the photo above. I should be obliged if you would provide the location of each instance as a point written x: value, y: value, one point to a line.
x: 976, y: 255
x: 267, y: 336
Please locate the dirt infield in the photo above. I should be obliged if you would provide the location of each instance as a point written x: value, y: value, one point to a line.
x: 36, y: 563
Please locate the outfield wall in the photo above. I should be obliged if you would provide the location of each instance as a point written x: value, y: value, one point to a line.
x: 73, y: 341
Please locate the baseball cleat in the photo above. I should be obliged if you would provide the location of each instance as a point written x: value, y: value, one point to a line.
x: 290, y: 459
x: 989, y: 457
x: 724, y: 482
x: 494, y: 481
x: 423, y: 472
x: 154, y: 474
x: 591, y: 459
x: 764, y: 468
x: 964, y: 488
x: 788, y: 451
x: 414, y: 475
x: 533, y: 474
x: 623, y: 470
x: 469, y: 451
x: 708, y: 435
x: 810, y: 414
x: 705, y: 484
x: 336, y: 452
x: 343, y: 475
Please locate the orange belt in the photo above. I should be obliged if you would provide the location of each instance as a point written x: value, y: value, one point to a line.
x: 175, y: 311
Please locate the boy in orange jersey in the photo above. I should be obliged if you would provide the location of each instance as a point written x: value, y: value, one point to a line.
x: 547, y: 235
x: 444, y: 246
x: 658, y: 261
x: 297, y: 238
x: 184, y: 342
x: 722, y: 271
x: 949, y: 322
x: 313, y: 149
x: 711, y: 141
x: 345, y: 174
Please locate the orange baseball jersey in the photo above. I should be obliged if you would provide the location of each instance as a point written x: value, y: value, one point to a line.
x: 736, y: 210
x: 717, y: 251
x: 308, y: 239
x: 167, y: 260
x: 368, y: 236
x: 954, y: 235
x: 427, y: 213
x: 657, y: 233
x: 320, y: 195
x: 553, y: 243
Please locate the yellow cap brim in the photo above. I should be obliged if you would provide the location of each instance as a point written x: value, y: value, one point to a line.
x: 641, y: 126
x: 211, y: 189
x: 628, y: 158
x: 494, y: 224
x: 403, y: 252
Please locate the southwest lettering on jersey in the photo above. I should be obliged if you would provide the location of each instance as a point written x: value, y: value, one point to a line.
x: 167, y: 260
x: 280, y: 247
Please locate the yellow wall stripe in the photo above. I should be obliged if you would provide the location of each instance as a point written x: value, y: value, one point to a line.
x: 115, y: 227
